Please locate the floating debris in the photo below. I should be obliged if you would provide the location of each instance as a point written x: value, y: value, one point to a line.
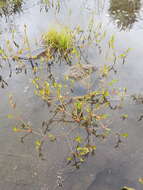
x: 80, y: 71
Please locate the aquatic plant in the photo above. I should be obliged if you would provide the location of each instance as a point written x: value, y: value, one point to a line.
x: 83, y: 116
x: 60, y: 41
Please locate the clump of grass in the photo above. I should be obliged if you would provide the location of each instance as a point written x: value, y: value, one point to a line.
x: 62, y: 41
x: 59, y: 39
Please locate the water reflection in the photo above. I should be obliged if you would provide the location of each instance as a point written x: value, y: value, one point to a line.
x: 10, y: 7
x: 50, y: 4
x: 124, y: 12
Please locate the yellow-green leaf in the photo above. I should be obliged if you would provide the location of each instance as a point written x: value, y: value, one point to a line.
x: 140, y: 180
x: 78, y: 139
x: 15, y: 129
x: 38, y: 143
x: 69, y: 158
x: 127, y: 188
x: 10, y: 116
x: 125, y: 135
x: 51, y: 137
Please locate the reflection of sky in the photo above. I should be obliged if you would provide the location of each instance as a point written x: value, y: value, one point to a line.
x: 38, y: 21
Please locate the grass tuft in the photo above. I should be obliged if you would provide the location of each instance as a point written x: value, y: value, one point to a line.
x: 60, y: 40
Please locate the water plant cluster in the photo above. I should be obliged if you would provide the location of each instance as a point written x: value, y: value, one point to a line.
x: 86, y: 117
x: 61, y: 42
x: 81, y: 98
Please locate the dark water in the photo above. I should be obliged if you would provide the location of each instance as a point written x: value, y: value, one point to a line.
x: 111, y: 168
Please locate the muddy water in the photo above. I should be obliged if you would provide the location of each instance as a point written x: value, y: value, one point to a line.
x: 111, y: 168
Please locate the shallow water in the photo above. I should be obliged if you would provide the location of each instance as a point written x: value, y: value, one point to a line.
x: 110, y: 168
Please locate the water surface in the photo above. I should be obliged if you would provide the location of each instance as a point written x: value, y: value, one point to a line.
x: 110, y: 168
